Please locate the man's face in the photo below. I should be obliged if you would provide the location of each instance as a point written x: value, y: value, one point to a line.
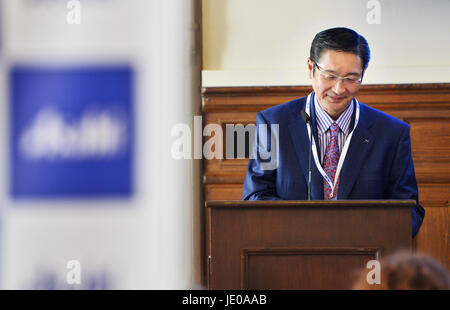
x: 335, y: 96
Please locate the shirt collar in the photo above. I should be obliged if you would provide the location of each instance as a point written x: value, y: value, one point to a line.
x: 324, y: 121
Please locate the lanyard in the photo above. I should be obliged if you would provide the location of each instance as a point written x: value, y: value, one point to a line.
x: 344, y: 151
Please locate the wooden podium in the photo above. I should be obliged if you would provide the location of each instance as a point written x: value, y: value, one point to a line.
x: 301, y: 244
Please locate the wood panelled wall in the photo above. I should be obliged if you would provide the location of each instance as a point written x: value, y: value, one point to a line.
x: 426, y: 107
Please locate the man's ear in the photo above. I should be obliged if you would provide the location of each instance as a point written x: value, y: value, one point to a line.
x: 310, y: 65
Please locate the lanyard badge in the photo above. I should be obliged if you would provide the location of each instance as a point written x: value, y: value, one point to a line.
x: 309, y: 101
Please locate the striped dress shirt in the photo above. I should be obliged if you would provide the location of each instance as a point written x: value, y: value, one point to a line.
x: 324, y: 122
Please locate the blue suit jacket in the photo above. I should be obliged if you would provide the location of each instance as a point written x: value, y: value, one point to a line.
x: 378, y: 164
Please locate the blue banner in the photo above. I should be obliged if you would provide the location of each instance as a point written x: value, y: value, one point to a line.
x: 71, y: 131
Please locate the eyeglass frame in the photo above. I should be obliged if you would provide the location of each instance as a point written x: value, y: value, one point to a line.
x: 336, y: 77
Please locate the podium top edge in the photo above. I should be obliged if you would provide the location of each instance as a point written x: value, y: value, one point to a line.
x: 308, y: 203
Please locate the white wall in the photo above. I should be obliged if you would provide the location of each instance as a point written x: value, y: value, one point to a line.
x: 266, y: 42
x: 147, y: 241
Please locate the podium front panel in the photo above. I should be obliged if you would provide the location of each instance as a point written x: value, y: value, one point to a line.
x: 309, y: 246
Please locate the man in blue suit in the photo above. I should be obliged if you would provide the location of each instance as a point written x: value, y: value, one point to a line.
x: 358, y: 152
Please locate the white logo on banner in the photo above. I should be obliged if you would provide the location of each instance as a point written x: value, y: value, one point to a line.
x: 96, y: 134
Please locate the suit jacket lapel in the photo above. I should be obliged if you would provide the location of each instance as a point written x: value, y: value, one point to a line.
x: 300, y: 140
x: 314, y: 124
x: 360, y: 145
x: 316, y: 177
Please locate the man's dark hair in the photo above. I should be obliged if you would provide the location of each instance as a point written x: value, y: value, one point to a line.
x: 343, y: 40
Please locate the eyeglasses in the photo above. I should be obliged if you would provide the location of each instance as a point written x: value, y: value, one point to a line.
x: 334, y: 78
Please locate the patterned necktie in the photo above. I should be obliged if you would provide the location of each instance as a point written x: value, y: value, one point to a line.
x: 330, y: 162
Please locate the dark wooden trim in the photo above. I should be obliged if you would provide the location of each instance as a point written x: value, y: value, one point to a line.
x: 436, y: 204
x: 223, y: 178
x: 299, y: 89
x: 239, y: 178
x: 307, y: 204
x: 423, y: 96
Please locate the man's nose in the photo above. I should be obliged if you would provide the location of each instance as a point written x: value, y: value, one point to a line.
x: 339, y: 88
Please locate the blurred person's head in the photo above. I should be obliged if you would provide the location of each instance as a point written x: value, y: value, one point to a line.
x: 407, y: 271
x: 337, y: 61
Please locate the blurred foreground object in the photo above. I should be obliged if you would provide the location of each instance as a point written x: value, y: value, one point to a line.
x: 404, y: 270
